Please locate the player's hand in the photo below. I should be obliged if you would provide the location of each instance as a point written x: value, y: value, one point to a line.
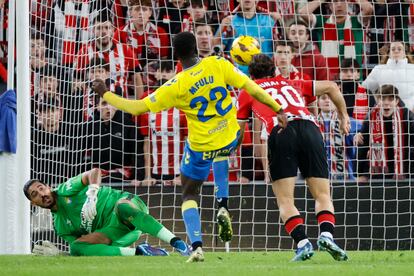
x: 358, y: 139
x: 99, y: 87
x: 282, y: 120
x: 45, y: 248
x: 89, y: 207
x: 344, y: 124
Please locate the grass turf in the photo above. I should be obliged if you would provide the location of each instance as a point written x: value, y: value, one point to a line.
x: 235, y: 264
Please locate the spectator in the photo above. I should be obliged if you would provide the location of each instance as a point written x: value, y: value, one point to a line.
x: 385, y: 50
x: 340, y: 35
x: 149, y: 41
x: 120, y: 57
x: 340, y: 149
x: 307, y: 59
x: 98, y: 69
x: 283, y: 61
x: 69, y: 27
x: 390, y: 23
x: 197, y: 11
x: 386, y: 139
x: 117, y: 147
x: 38, y: 59
x: 171, y: 17
x: 397, y: 71
x: 47, y: 86
x: 248, y: 22
x: 356, y: 97
x: 165, y: 134
x: 54, y: 151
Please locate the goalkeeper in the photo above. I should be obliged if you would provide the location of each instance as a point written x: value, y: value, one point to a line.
x: 100, y: 221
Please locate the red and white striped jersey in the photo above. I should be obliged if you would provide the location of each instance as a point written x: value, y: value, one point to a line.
x: 152, y: 43
x: 167, y: 130
x: 120, y: 57
x: 289, y: 94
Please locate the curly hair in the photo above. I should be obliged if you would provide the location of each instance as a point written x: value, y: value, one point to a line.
x: 261, y: 66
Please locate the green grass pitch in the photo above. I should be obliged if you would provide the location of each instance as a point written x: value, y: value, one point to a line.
x: 235, y: 264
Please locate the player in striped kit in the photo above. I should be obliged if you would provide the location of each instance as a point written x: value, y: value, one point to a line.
x: 301, y: 146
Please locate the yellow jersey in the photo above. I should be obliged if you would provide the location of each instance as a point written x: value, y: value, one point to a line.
x: 201, y: 93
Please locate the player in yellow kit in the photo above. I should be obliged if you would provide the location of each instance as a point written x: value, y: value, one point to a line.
x: 200, y: 91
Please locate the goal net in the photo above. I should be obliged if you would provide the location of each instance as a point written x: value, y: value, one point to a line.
x: 76, y: 41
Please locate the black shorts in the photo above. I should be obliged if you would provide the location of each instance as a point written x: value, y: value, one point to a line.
x: 301, y: 146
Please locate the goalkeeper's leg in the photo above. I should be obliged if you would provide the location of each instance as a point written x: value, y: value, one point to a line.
x: 98, y: 244
x: 134, y: 218
x: 221, y: 181
x: 320, y: 189
x: 294, y: 224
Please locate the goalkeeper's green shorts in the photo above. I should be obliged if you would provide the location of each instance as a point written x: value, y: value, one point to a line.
x: 120, y: 234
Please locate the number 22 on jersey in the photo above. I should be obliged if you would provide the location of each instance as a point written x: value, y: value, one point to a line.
x: 218, y: 93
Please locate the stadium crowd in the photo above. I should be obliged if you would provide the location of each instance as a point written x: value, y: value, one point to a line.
x: 366, y: 46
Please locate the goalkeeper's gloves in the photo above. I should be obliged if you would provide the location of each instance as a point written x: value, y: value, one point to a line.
x: 46, y: 248
x: 89, y: 207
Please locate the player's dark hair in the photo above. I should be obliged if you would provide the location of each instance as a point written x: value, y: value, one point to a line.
x: 350, y: 63
x: 185, y: 45
x: 262, y: 66
x: 27, y: 186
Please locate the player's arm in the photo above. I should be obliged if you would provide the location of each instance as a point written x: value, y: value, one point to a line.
x: 134, y: 107
x: 330, y: 88
x: 92, y: 177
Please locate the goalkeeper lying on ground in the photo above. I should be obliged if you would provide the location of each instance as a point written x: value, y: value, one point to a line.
x: 100, y: 221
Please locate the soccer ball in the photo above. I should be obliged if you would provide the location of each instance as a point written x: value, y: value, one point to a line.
x: 244, y: 48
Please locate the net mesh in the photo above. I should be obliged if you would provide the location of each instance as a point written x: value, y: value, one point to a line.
x: 76, y: 41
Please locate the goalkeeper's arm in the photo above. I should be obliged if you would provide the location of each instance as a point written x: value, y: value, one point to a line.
x: 92, y: 177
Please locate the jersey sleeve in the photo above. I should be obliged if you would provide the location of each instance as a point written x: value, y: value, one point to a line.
x: 244, y: 106
x: 71, y: 187
x: 307, y: 87
x: 164, y: 97
x: 232, y: 75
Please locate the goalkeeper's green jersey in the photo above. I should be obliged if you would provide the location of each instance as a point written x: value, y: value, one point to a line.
x: 71, y: 196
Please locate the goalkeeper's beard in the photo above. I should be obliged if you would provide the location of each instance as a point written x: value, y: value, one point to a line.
x: 49, y: 201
